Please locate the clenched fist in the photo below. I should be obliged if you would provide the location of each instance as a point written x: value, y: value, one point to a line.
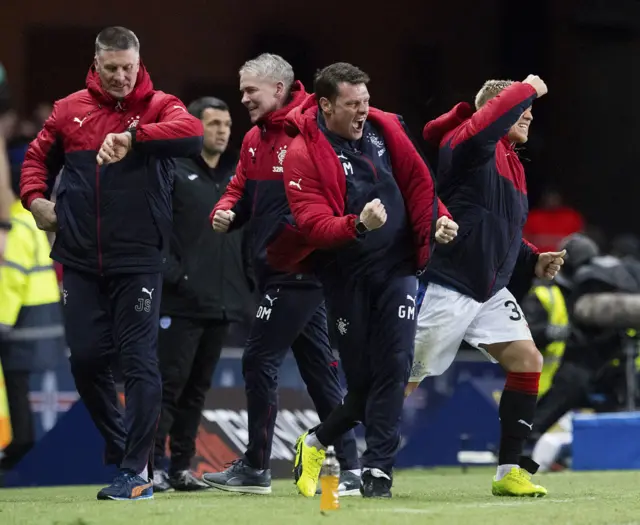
x: 538, y: 84
x: 114, y: 148
x: 43, y: 212
x: 373, y: 215
x: 222, y: 220
x: 446, y: 230
x: 549, y: 264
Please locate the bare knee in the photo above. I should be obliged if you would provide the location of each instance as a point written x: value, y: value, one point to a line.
x: 517, y: 356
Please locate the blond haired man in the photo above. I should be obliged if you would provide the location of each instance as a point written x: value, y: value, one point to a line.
x: 481, y: 181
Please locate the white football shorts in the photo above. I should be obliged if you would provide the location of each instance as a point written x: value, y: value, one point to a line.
x: 447, y: 317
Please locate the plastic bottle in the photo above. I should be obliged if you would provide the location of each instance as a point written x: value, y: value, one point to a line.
x: 329, y: 482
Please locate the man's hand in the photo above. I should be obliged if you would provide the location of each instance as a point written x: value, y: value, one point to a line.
x: 222, y: 220
x: 549, y: 264
x: 44, y: 213
x: 114, y: 148
x: 446, y: 230
x: 538, y: 84
x: 373, y: 215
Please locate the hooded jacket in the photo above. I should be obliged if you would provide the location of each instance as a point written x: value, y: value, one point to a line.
x: 257, y: 193
x: 114, y: 218
x: 482, y: 182
x: 315, y: 182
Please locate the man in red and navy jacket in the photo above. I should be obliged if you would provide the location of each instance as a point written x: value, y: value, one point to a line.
x: 292, y: 312
x: 112, y: 144
x: 364, y: 201
x: 482, y: 182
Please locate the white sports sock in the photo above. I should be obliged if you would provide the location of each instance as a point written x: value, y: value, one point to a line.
x: 145, y: 474
x: 312, y: 441
x: 356, y: 471
x: 503, y: 470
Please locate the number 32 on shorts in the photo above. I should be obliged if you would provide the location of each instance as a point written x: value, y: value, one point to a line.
x: 516, y: 315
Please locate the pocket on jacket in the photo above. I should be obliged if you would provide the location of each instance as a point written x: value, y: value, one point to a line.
x: 75, y: 211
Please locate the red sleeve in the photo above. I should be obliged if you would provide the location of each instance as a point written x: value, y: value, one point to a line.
x: 442, y: 210
x: 493, y: 120
x: 306, y: 193
x: 43, y: 161
x: 234, y: 197
x: 175, y: 134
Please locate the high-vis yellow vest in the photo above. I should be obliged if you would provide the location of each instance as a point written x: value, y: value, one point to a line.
x: 28, y: 292
x: 28, y: 283
x: 553, y: 301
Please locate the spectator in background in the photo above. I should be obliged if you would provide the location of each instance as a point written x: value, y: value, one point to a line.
x: 551, y: 222
x: 626, y: 246
x: 31, y: 329
x: 205, y: 289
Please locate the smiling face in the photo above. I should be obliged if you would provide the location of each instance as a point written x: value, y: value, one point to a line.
x: 519, y: 132
x: 261, y: 95
x: 346, y: 115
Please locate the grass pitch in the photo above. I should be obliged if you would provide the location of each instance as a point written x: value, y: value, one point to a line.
x: 441, y: 496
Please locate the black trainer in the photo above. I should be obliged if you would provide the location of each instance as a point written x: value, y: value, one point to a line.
x: 161, y: 481
x: 240, y: 477
x: 375, y: 484
x: 185, y: 481
x: 349, y: 484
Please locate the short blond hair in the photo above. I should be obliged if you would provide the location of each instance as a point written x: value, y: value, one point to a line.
x: 270, y: 66
x: 490, y: 89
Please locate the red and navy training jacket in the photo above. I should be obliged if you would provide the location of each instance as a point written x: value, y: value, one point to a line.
x: 256, y: 193
x: 114, y: 218
x: 317, y: 191
x: 481, y: 181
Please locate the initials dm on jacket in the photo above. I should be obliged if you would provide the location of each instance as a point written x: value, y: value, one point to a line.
x: 114, y: 218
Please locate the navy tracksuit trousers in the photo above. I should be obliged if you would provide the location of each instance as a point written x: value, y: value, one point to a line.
x: 111, y: 320
x: 375, y: 320
x: 291, y: 316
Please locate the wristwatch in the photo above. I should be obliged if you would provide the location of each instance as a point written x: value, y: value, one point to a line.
x: 361, y: 229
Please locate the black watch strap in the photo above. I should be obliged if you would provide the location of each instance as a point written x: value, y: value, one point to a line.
x: 5, y: 225
x: 361, y: 229
x: 133, y: 136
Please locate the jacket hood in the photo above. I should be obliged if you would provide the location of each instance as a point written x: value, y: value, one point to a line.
x: 435, y: 130
x: 142, y: 89
x: 297, y: 119
x: 277, y: 117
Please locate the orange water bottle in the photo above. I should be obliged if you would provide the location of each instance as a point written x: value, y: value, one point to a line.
x: 329, y: 481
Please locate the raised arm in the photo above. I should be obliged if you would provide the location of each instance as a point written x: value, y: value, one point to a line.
x: 313, y: 214
x: 176, y: 134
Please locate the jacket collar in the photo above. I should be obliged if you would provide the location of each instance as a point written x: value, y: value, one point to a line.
x: 142, y: 90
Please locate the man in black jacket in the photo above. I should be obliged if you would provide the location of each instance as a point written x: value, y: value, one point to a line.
x: 205, y: 289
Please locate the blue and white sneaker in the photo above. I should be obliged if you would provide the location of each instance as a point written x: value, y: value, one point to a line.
x: 127, y: 486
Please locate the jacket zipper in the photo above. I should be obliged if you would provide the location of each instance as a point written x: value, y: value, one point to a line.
x: 375, y: 171
x: 495, y: 275
x: 98, y: 219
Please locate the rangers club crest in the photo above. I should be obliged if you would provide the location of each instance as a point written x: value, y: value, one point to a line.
x: 282, y: 152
